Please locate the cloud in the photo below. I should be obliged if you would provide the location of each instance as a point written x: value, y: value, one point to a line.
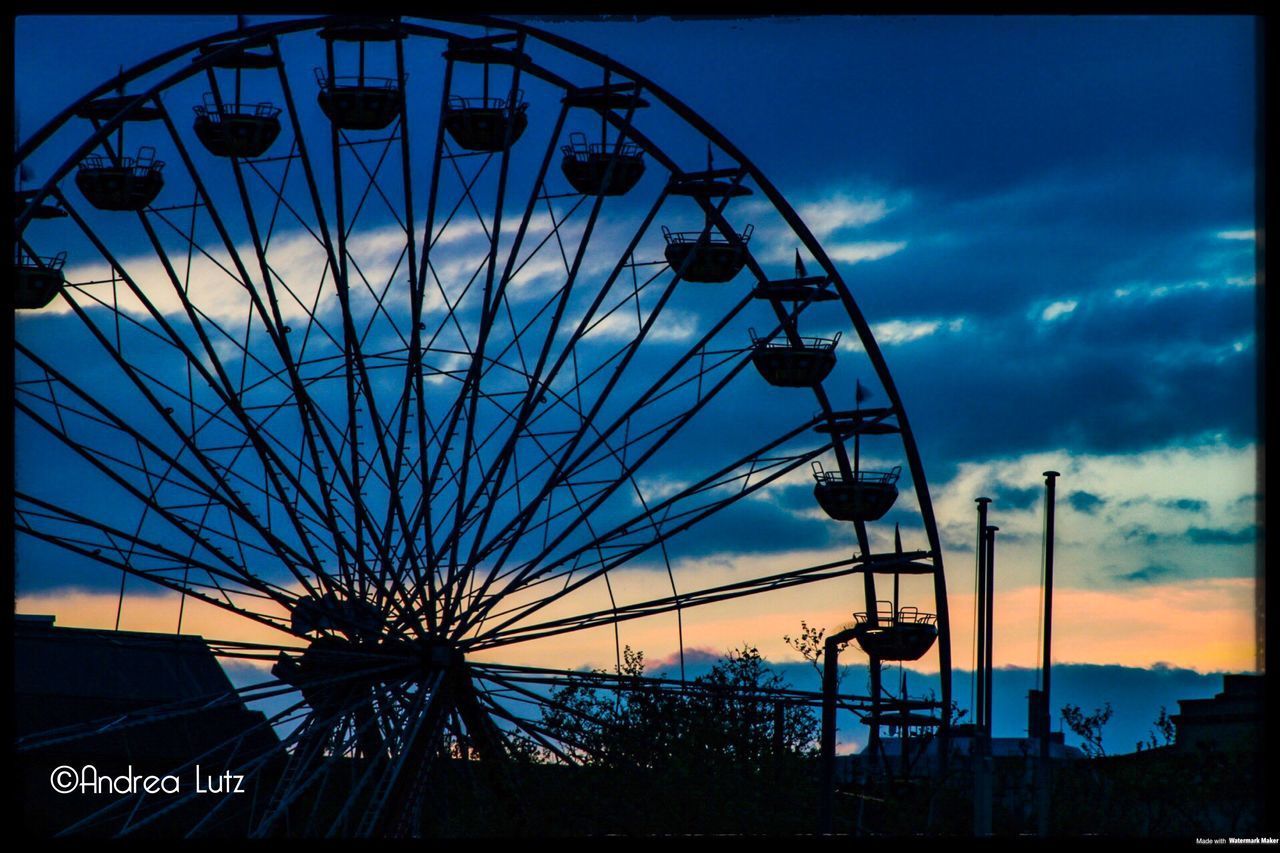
x: 856, y: 252
x: 622, y: 326
x: 1218, y: 536
x: 1016, y: 497
x: 841, y: 210
x: 1058, y: 309
x: 1128, y: 517
x: 892, y: 332
x: 833, y: 215
x: 1082, y: 233
x: 304, y: 286
x: 1148, y: 573
x: 1085, y: 502
x: 1242, y: 234
x: 1121, y: 375
x: 1157, y: 614
x: 756, y: 527
x: 297, y: 260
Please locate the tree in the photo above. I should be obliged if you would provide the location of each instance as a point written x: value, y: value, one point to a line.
x: 810, y: 646
x: 705, y: 758
x: 723, y: 719
x: 1088, y: 727
x: 1164, y: 724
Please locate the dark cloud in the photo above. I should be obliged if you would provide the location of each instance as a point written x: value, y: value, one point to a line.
x: 997, y: 391
x: 1080, y: 232
x: 753, y: 527
x: 994, y: 121
x: 1005, y: 496
x: 1149, y: 572
x: 1186, y: 504
x: 1086, y: 502
x: 1143, y: 535
x: 1219, y: 536
x: 955, y: 540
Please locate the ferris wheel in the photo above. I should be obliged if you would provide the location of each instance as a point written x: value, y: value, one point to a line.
x: 409, y: 346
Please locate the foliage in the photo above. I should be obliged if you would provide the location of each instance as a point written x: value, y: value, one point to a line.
x: 955, y: 714
x: 1088, y: 727
x: 1164, y: 723
x: 809, y: 644
x: 718, y: 721
x: 658, y: 758
x: 1177, y: 792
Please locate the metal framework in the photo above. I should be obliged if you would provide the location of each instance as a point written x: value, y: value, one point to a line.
x: 408, y: 403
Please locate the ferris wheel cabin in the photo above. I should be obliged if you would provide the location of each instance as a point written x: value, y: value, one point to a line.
x: 359, y: 102
x: 485, y: 123
x: 601, y: 168
x: 37, y: 280
x: 116, y: 182
x: 709, y: 258
x: 867, y: 496
x: 126, y: 183
x: 231, y: 128
x: 803, y: 363
x: 236, y: 130
x: 794, y: 361
x: 906, y: 634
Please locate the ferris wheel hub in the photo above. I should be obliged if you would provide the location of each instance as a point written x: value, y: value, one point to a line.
x: 334, y: 668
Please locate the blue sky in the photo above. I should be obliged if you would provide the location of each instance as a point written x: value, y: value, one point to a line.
x: 1048, y: 221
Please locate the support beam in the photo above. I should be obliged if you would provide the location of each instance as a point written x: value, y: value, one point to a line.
x: 830, y: 673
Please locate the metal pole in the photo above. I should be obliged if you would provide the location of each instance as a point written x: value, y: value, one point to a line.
x: 1046, y: 667
x: 980, y: 626
x: 983, y: 766
x: 990, y: 624
x: 830, y: 670
x: 1043, y: 775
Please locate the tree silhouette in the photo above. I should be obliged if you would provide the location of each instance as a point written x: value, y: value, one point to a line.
x: 708, y: 758
x: 1088, y: 727
x: 721, y: 721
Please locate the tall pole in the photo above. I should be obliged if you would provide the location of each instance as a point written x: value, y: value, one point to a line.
x: 830, y: 672
x: 1043, y: 779
x: 990, y: 624
x: 984, y: 769
x: 1050, y: 478
x: 981, y: 606
x: 981, y: 763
